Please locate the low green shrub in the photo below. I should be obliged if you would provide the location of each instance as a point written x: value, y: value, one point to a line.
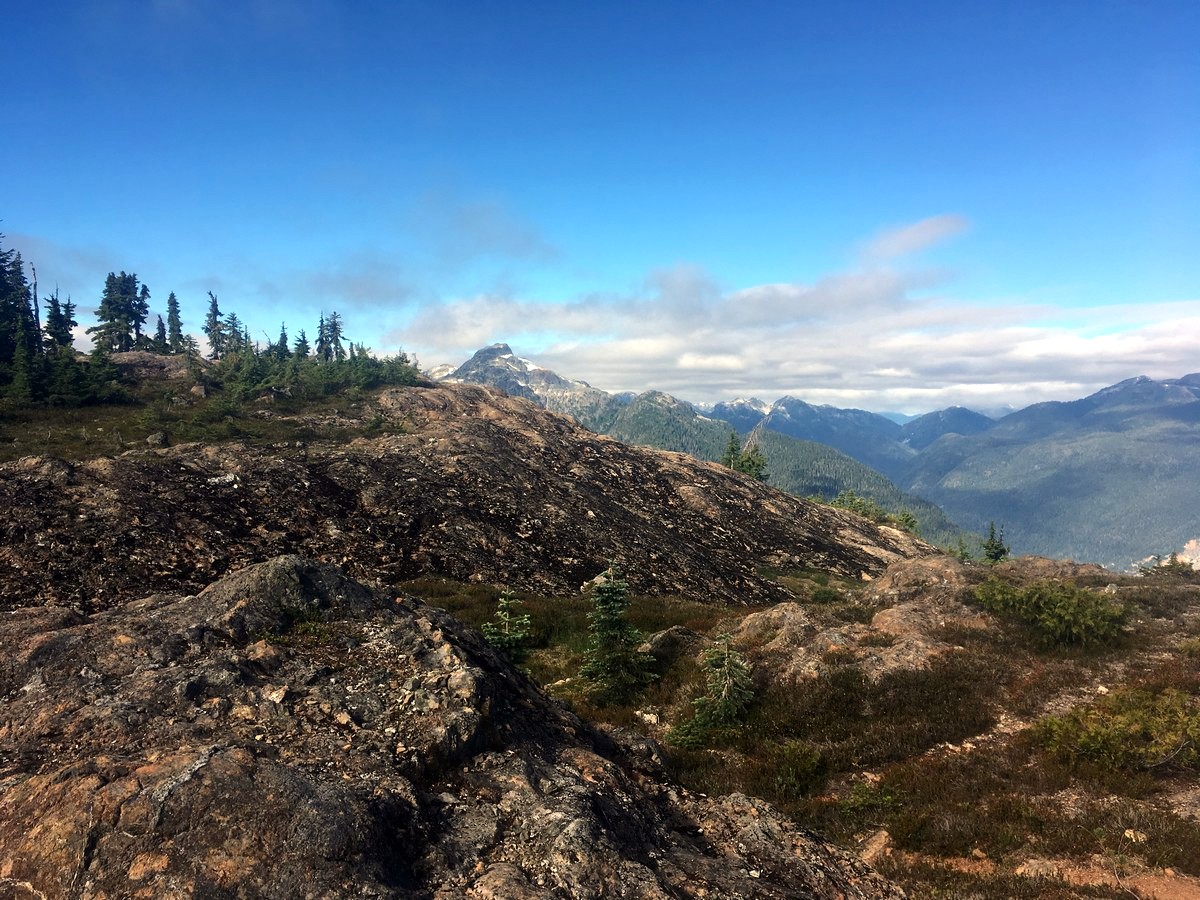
x: 510, y: 630
x: 795, y: 768
x: 1059, y: 613
x: 1131, y: 729
x: 825, y: 595
x: 865, y: 797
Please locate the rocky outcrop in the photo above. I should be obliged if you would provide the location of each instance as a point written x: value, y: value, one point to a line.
x: 290, y: 733
x: 918, y: 599
x: 462, y: 481
x: 142, y: 365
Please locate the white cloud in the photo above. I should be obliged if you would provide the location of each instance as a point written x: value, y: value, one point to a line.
x: 870, y: 337
x: 915, y: 237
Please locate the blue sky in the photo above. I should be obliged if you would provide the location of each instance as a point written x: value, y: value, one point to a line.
x: 892, y: 206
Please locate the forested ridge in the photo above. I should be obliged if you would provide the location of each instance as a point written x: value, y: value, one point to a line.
x: 39, y: 365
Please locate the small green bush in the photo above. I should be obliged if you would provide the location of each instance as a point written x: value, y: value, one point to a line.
x: 509, y: 631
x: 798, y: 769
x: 870, y: 798
x: 825, y: 595
x: 729, y: 692
x: 1131, y: 729
x: 1060, y: 613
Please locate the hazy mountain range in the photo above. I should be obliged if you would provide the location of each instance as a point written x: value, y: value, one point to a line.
x: 1109, y: 478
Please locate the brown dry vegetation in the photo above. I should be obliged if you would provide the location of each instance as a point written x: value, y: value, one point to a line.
x: 945, y: 757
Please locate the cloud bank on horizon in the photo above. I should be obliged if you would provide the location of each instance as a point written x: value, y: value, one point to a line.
x: 882, y: 335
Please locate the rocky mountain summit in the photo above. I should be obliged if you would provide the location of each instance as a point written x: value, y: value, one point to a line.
x: 457, y: 480
x: 287, y: 732
x: 497, y: 366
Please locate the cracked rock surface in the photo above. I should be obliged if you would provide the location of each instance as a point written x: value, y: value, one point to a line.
x: 464, y: 482
x: 288, y: 732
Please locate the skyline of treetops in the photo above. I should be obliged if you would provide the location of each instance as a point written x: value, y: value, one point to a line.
x: 39, y: 363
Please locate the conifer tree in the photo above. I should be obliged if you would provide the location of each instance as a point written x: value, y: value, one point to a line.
x: 21, y: 384
x: 729, y: 692
x: 141, y: 309
x: 749, y: 461
x: 322, y: 348
x: 60, y: 320
x: 120, y: 315
x: 174, y: 324
x: 994, y: 548
x: 333, y: 328
x: 733, y: 450
x: 614, y: 668
x: 509, y: 629
x: 235, y: 334
x: 160, y: 344
x: 280, y: 349
x: 214, y: 328
x: 301, y: 348
x: 20, y: 339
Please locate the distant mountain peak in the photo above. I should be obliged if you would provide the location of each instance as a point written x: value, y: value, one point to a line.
x: 498, y: 366
x: 751, y: 403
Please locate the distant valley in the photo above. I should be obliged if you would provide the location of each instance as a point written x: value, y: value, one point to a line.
x: 1109, y: 478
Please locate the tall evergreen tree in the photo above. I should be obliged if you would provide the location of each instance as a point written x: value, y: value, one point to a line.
x: 141, y: 309
x: 235, y: 334
x: 301, y: 349
x: 60, y: 322
x: 214, y: 328
x: 174, y: 324
x: 281, y: 349
x: 749, y: 461
x: 333, y: 329
x: 20, y: 340
x: 733, y: 450
x: 21, y: 383
x: 323, y: 350
x: 160, y: 344
x: 119, y: 315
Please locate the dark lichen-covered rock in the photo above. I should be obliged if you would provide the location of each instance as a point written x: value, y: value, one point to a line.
x: 290, y: 733
x: 465, y: 482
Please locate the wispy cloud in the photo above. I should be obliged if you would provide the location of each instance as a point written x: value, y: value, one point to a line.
x: 906, y: 240
x: 461, y: 230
